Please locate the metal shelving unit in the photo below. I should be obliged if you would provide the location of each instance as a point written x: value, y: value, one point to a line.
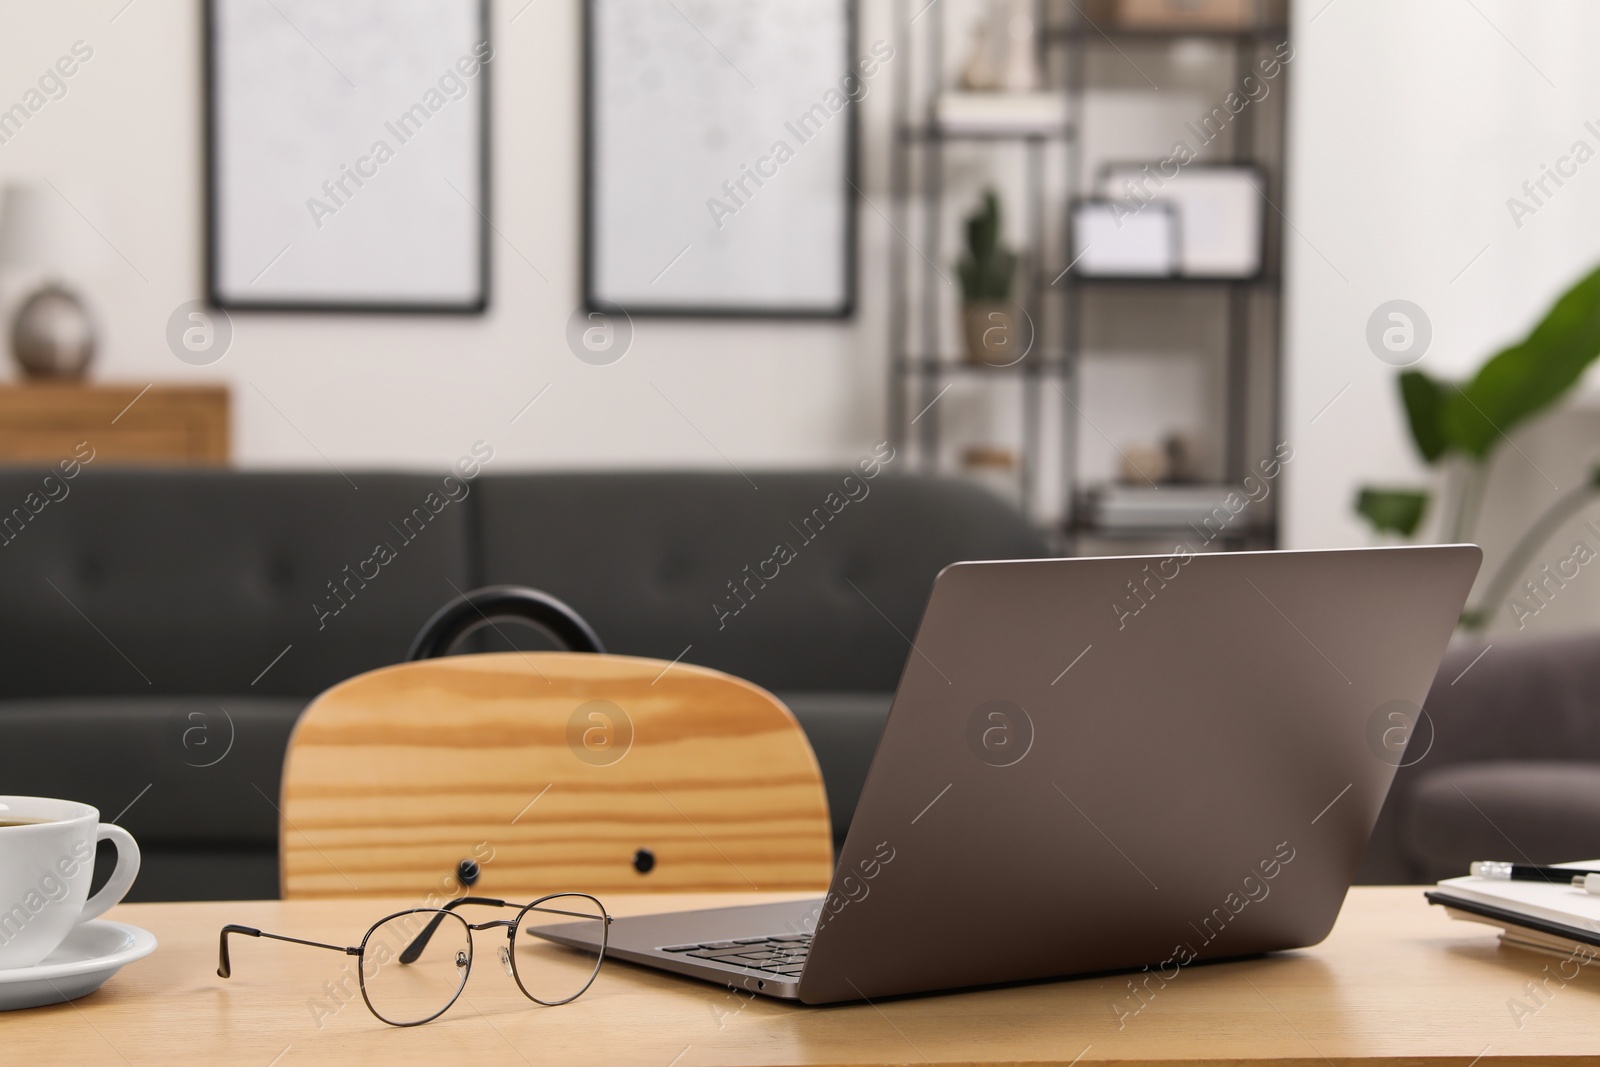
x: 1052, y: 296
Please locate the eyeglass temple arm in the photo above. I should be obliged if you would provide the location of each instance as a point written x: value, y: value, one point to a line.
x: 225, y: 966
x: 575, y: 914
x: 414, y: 950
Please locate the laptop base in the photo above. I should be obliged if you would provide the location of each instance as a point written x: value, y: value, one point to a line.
x: 644, y: 938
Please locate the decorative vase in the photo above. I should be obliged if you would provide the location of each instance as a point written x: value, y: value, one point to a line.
x: 53, y: 335
x: 1019, y: 69
x: 979, y: 72
x: 990, y: 330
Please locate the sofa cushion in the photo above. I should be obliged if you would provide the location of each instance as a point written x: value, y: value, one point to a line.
x: 173, y: 770
x: 194, y: 779
x: 209, y: 872
x: 1518, y: 699
x: 1526, y: 811
x: 693, y: 565
x: 194, y: 582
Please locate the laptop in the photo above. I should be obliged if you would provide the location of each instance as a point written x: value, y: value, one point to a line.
x: 1097, y: 765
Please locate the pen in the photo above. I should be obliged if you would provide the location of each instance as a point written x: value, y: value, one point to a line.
x: 1526, y: 872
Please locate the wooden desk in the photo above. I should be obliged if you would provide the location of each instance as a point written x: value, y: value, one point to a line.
x: 156, y: 424
x: 1396, y: 983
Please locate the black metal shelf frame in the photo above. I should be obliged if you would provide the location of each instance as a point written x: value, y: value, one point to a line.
x: 919, y: 375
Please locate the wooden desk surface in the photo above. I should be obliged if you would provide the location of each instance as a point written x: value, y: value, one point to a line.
x: 1396, y: 983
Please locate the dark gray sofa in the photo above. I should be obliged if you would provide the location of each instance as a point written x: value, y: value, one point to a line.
x: 161, y: 631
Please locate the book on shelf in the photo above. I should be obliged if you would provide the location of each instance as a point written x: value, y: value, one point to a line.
x: 1144, y: 507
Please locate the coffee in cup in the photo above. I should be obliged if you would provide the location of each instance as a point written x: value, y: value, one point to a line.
x: 46, y: 863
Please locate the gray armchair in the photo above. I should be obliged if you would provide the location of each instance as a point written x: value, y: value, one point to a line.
x: 1513, y: 771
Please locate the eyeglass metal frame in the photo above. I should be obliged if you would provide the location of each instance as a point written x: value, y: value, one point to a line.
x: 414, y: 949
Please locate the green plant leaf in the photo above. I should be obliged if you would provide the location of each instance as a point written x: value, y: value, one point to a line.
x: 1425, y: 401
x: 1520, y: 381
x: 987, y: 267
x: 1392, y: 510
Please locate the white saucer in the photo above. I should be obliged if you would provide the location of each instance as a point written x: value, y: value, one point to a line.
x: 92, y: 953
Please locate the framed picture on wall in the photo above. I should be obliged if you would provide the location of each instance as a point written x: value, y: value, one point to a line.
x: 720, y: 156
x: 347, y: 155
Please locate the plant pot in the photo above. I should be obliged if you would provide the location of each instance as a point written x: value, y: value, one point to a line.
x: 990, y: 330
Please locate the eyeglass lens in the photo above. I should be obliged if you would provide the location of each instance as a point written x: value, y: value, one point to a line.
x: 409, y: 993
x: 553, y: 973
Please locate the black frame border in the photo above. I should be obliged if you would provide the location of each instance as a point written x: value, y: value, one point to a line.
x: 846, y: 310
x: 213, y: 236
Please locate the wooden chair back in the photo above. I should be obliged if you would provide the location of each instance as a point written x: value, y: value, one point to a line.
x: 550, y: 770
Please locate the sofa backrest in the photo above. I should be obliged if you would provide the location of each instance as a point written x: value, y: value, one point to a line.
x: 802, y: 581
x: 194, y: 582
x: 191, y: 582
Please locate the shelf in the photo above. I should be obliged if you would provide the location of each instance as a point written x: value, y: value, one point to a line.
x: 941, y: 367
x: 934, y: 133
x: 1084, y: 527
x: 997, y: 115
x: 1188, y: 510
x: 927, y: 358
x: 1173, y: 281
x: 1100, y: 33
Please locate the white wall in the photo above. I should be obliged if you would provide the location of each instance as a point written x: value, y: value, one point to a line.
x: 1412, y: 124
x: 417, y: 391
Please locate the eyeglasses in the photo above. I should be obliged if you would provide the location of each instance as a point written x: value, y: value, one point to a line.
x: 414, y: 963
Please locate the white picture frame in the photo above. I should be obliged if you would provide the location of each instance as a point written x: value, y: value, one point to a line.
x: 1112, y: 240
x: 1220, y: 210
x: 347, y: 155
x: 720, y: 156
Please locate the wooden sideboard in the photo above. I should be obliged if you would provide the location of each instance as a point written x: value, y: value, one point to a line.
x: 126, y: 424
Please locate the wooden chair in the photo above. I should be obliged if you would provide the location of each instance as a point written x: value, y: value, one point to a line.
x: 551, y: 770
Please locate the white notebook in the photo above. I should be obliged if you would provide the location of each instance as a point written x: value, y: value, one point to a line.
x: 1564, y: 906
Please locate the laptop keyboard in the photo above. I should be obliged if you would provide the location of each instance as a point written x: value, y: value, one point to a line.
x: 780, y: 954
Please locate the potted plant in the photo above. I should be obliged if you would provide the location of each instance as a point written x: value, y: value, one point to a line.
x: 987, y: 269
x: 1460, y: 426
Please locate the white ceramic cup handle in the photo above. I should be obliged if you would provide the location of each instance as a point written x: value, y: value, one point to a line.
x: 122, y: 876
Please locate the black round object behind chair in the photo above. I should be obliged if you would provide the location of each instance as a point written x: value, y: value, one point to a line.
x: 503, y: 603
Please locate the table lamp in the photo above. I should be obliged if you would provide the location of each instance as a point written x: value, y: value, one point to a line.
x: 52, y: 334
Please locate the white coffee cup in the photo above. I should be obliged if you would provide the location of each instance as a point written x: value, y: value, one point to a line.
x: 46, y: 864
